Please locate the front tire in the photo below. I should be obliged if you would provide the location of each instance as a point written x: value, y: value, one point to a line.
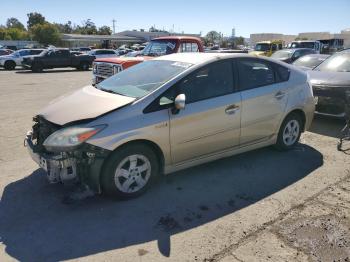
x: 37, y: 68
x: 129, y: 171
x: 9, y: 65
x: 290, y: 132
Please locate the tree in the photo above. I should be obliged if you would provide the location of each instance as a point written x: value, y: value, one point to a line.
x: 104, y: 30
x: 14, y: 23
x: 35, y: 18
x: 66, y: 28
x: 46, y: 34
x: 213, y: 37
x: 17, y: 34
x: 239, y: 41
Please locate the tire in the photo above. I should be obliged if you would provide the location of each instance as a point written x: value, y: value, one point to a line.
x: 290, y: 132
x: 120, y: 178
x: 84, y: 66
x: 37, y: 68
x: 9, y: 65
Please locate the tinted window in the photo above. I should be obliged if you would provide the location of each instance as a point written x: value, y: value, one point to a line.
x: 208, y: 82
x: 282, y: 73
x: 254, y: 73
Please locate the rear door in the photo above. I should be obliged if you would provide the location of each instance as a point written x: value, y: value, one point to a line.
x: 264, y: 91
x: 210, y: 122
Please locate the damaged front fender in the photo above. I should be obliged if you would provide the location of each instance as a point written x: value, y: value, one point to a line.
x: 82, y: 165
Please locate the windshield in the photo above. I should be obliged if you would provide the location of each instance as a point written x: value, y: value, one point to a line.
x: 309, y: 61
x: 303, y: 45
x: 159, y: 47
x: 262, y: 47
x: 282, y: 54
x: 142, y: 78
x: 336, y: 63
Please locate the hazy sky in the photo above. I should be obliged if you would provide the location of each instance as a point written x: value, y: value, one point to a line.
x: 252, y: 16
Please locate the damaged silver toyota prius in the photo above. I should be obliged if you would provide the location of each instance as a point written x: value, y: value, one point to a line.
x: 168, y: 114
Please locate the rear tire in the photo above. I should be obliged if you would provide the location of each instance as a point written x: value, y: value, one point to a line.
x: 129, y: 171
x: 290, y: 132
x: 84, y: 66
x: 37, y: 68
x: 9, y: 65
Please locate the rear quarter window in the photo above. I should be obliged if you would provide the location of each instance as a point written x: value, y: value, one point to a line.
x: 282, y: 73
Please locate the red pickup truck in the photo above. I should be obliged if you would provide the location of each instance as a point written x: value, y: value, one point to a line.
x: 106, y: 67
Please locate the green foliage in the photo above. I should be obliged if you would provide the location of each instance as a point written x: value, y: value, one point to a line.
x: 66, y: 28
x: 13, y: 34
x: 15, y: 23
x: 213, y: 37
x: 35, y: 18
x: 46, y: 34
x: 104, y: 30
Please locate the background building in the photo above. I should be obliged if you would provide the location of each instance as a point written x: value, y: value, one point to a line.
x: 254, y: 38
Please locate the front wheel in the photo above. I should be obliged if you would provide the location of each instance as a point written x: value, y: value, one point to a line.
x: 289, y: 133
x: 129, y: 171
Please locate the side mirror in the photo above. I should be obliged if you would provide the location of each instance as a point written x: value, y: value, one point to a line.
x: 179, y: 103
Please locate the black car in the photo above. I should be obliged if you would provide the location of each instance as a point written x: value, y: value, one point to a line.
x: 290, y: 55
x: 309, y: 62
x: 331, y: 85
x: 57, y: 58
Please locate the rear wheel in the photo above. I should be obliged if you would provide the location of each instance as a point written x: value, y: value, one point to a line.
x: 9, y: 65
x: 289, y: 133
x: 84, y: 66
x: 129, y: 171
x: 37, y: 68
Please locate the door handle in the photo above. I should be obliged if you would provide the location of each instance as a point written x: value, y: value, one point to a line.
x: 230, y: 110
x: 279, y: 95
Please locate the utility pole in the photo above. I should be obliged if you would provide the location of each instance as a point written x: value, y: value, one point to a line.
x: 114, y: 21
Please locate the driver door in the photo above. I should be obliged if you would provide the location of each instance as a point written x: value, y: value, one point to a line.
x: 211, y: 120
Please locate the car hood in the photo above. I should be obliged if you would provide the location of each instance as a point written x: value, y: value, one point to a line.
x: 257, y: 53
x: 329, y: 78
x: 86, y: 103
x: 122, y: 60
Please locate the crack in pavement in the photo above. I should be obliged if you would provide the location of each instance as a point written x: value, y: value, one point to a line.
x: 253, y: 235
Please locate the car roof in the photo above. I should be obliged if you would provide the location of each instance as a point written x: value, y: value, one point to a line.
x: 199, y: 58
x: 317, y: 55
x: 174, y: 37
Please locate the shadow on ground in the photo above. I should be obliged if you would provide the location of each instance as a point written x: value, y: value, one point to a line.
x: 36, y: 226
x: 327, y: 126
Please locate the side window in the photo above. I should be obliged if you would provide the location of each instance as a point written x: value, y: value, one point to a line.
x: 282, y: 73
x: 274, y: 47
x: 297, y: 54
x: 208, y: 82
x: 280, y: 46
x: 254, y: 73
x: 195, y: 47
x: 186, y: 47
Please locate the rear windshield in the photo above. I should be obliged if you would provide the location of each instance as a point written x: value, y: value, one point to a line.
x: 143, y: 78
x: 339, y: 62
x: 309, y: 61
x: 303, y: 45
x: 282, y: 54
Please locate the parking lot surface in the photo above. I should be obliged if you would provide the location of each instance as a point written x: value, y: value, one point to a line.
x: 263, y: 205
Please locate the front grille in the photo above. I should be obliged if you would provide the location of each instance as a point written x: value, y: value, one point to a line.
x: 331, y: 99
x: 106, y: 70
x: 41, y: 130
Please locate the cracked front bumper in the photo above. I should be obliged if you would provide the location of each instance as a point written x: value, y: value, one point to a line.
x: 83, y: 165
x: 58, y: 167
